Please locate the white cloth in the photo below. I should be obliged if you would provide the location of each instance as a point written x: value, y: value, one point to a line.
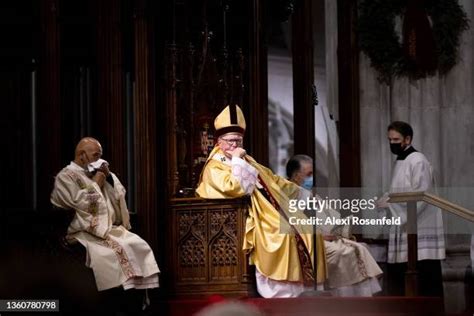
x: 242, y: 171
x: 352, y: 271
x: 413, y: 174
x: 269, y: 288
x: 141, y: 283
x: 101, y: 222
x: 245, y: 174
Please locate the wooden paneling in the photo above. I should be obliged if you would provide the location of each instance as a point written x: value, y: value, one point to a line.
x: 20, y: 35
x: 257, y: 108
x: 144, y: 110
x: 206, y: 242
x: 349, y: 112
x: 15, y: 125
x: 303, y: 78
x: 178, y: 88
x: 77, y: 71
x: 110, y: 115
x: 204, y: 71
x: 48, y: 107
x: 170, y: 119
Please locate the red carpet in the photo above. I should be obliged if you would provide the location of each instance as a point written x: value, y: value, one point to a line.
x: 322, y: 306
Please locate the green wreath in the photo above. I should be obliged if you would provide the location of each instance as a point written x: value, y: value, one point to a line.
x: 391, y: 58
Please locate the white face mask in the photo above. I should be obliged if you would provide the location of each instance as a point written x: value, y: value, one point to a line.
x: 91, y: 167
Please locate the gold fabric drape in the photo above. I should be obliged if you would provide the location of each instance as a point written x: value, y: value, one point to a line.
x: 273, y: 248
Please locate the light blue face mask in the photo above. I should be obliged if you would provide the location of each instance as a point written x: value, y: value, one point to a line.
x: 308, y: 183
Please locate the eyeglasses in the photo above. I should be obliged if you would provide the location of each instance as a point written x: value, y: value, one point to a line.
x: 233, y: 141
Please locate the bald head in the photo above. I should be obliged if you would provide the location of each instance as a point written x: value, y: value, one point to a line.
x: 87, y: 150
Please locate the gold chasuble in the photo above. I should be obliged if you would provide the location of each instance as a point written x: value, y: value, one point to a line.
x: 279, y: 251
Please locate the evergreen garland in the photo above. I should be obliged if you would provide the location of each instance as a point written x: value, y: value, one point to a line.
x: 380, y: 42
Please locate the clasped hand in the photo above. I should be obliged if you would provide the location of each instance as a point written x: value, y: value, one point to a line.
x: 237, y: 152
x: 102, y: 173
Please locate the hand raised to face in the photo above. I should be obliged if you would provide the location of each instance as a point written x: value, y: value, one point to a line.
x: 105, y: 169
x: 237, y: 152
x: 99, y: 178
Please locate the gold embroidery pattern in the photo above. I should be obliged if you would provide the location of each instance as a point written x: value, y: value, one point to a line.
x: 76, y: 179
x: 92, y: 197
x: 360, y: 262
x: 93, y: 224
x: 121, y: 255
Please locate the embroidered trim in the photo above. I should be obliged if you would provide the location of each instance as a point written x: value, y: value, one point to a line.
x: 93, y: 224
x: 92, y: 197
x: 360, y: 262
x: 78, y: 180
x: 222, y: 158
x: 121, y: 255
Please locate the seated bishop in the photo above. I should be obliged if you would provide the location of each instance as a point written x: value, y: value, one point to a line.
x: 282, y: 254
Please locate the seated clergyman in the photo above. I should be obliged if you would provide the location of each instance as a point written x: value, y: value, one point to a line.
x: 283, y: 260
x: 352, y: 271
x: 101, y: 222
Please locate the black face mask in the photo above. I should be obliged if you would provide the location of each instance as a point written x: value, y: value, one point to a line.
x: 396, y: 148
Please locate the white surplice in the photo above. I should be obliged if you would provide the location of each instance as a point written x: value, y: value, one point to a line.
x: 414, y: 174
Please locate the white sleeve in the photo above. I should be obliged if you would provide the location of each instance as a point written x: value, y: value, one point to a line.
x: 245, y: 174
x: 421, y: 181
x: 86, y: 200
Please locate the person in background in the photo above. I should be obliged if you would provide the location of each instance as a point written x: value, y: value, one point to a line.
x: 352, y: 271
x: 412, y: 172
